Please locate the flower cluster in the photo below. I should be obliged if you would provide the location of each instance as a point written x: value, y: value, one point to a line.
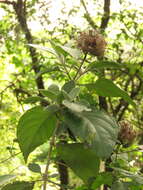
x: 92, y: 42
x: 127, y: 134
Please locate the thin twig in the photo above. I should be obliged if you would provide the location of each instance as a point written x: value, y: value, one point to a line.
x: 88, y: 17
x: 52, y: 142
x: 65, y: 68
x: 79, y: 69
x: 9, y: 157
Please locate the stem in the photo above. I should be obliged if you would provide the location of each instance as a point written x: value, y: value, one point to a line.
x: 65, y: 68
x: 79, y: 69
x: 45, y: 175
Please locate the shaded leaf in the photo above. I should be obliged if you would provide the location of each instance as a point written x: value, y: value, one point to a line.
x: 118, y: 186
x: 103, y: 178
x: 54, y: 89
x: 74, y: 93
x: 68, y: 86
x: 96, y: 127
x: 19, y: 185
x: 34, y: 167
x: 33, y: 99
x: 34, y: 128
x: 104, y: 65
x: 106, y: 88
x: 83, y: 161
x: 65, y: 95
x: 49, y: 94
x: 47, y: 70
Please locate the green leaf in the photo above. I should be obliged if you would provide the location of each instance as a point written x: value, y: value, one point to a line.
x: 34, y: 167
x: 54, y: 89
x: 106, y: 88
x: 68, y: 86
x: 74, y: 93
x: 65, y: 95
x: 33, y: 99
x: 58, y: 49
x: 118, y: 186
x: 34, y: 128
x: 47, y: 93
x: 83, y: 161
x: 96, y: 127
x: 6, y: 178
x: 50, y: 50
x: 102, y: 178
x: 75, y: 53
x: 47, y: 70
x: 19, y: 185
x: 76, y: 107
x: 104, y: 65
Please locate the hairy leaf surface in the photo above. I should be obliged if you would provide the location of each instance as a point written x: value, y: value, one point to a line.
x: 34, y: 128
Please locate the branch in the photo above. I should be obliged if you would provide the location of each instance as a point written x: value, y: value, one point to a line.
x: 5, y: 160
x: 7, y: 2
x: 106, y: 15
x: 133, y: 95
x: 88, y: 17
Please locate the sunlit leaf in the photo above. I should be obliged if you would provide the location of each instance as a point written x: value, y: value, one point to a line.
x: 6, y: 178
x: 34, y: 128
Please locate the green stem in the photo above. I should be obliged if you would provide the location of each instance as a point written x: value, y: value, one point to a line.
x: 52, y: 143
x: 66, y: 70
x: 79, y: 69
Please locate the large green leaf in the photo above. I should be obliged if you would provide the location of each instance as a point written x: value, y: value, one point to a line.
x: 82, y: 160
x: 34, y: 128
x: 96, y: 127
x: 119, y: 186
x: 102, y: 178
x: 6, y: 178
x: 19, y: 185
x: 105, y: 87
